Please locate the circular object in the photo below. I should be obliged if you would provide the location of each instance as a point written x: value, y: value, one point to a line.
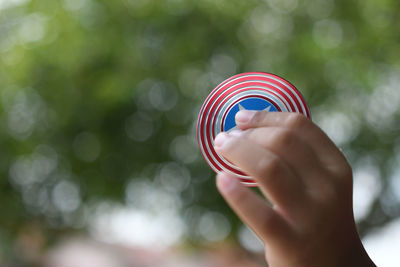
x: 251, y: 91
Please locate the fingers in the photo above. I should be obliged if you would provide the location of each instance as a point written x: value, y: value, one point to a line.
x: 274, y: 177
x: 297, y: 154
x: 308, y: 131
x: 252, y: 209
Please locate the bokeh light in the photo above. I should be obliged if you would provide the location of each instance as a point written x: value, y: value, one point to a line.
x: 99, y: 101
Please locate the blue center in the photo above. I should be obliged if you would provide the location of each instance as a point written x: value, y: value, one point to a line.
x: 253, y: 103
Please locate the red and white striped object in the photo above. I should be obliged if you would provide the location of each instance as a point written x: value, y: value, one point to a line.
x: 252, y: 91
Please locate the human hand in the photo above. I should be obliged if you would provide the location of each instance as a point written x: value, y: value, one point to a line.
x: 308, y: 182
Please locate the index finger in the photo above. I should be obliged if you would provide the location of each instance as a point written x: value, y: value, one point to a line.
x: 304, y: 128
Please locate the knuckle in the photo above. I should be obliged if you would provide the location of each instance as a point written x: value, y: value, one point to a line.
x: 345, y: 179
x: 345, y: 172
x: 282, y: 138
x: 248, y: 133
x: 329, y: 193
x: 268, y: 167
x: 257, y: 135
x: 296, y: 120
x: 230, y: 145
x: 258, y: 118
x: 341, y: 171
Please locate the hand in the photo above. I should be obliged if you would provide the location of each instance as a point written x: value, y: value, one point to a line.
x: 306, y: 179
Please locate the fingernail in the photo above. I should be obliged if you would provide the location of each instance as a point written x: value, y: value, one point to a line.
x: 226, y: 182
x: 220, y: 139
x: 244, y: 116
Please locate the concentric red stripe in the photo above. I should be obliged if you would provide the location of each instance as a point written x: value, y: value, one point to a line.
x: 223, y: 92
x: 216, y: 101
x: 209, y: 119
x: 213, y: 123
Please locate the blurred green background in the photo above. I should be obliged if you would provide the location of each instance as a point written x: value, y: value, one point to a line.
x: 99, y: 101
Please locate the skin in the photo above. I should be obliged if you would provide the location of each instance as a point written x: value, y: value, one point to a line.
x: 308, y: 219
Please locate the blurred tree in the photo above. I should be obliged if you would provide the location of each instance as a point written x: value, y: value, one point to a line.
x: 96, y: 94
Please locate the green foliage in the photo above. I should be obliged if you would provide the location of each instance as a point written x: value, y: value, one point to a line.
x: 98, y: 93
